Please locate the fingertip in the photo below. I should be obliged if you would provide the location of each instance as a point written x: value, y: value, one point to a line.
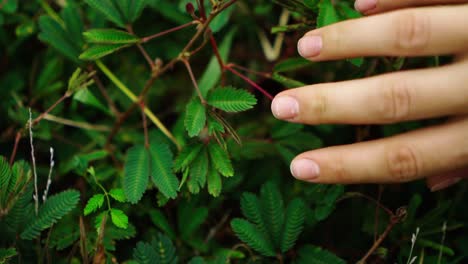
x: 310, y: 46
x: 285, y: 107
x: 305, y: 169
x: 365, y: 6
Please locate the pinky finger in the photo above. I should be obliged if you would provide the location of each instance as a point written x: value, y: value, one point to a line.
x: 442, y: 181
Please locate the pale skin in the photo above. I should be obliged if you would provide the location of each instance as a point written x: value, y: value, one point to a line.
x: 438, y: 154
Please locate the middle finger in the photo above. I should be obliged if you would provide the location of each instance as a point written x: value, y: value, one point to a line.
x: 388, y: 98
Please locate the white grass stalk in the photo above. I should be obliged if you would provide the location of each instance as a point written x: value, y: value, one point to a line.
x: 414, y: 237
x: 444, y: 231
x: 31, y: 142
x: 49, y: 178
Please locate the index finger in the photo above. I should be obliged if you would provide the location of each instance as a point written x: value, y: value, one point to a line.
x: 410, y: 32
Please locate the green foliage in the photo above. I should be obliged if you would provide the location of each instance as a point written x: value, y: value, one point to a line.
x: 230, y: 99
x: 161, y: 170
x: 270, y: 228
x: 94, y: 203
x: 160, y: 250
x: 53, y: 210
x: 312, y: 254
x: 202, y: 154
x: 137, y: 170
x: 195, y: 117
x: 109, y: 36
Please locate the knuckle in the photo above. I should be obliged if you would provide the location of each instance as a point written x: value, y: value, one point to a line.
x: 412, y: 31
x: 394, y: 104
x: 319, y: 105
x: 402, y: 164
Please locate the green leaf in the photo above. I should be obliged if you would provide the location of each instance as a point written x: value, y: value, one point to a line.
x: 136, y: 175
x: 214, y: 182
x: 5, y: 175
x: 131, y: 9
x: 54, y: 209
x: 85, y: 96
x: 94, y: 203
x: 230, y: 99
x: 161, y: 169
x: 118, y: 195
x: 53, y: 34
x: 292, y: 64
x: 119, y: 218
x: 250, y: 235
x: 73, y: 22
x: 220, y: 160
x: 198, y: 173
x: 160, y: 220
x: 160, y: 251
x: 273, y: 211
x: 7, y: 253
x: 197, y: 216
x: 108, y: 9
x: 327, y: 14
x: 109, y: 36
x: 187, y: 156
x: 294, y: 222
x: 252, y: 210
x: 99, y: 51
x: 287, y: 82
x: 195, y: 117
x: 311, y: 254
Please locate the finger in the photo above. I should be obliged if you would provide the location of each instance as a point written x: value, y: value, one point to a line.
x: 383, y: 99
x: 402, y: 158
x: 410, y: 32
x: 378, y: 6
x: 445, y: 180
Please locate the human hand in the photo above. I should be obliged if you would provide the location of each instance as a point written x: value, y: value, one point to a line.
x: 438, y: 153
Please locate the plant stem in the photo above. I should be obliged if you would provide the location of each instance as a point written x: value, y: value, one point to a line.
x: 142, y: 49
x: 165, y: 32
x: 145, y: 124
x: 214, y: 45
x: 76, y: 124
x: 135, y: 99
x: 249, y: 81
x: 194, y: 81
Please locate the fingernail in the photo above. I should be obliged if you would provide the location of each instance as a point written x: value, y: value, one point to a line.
x: 309, y: 46
x: 285, y: 107
x: 445, y: 184
x: 365, y: 5
x: 305, y: 169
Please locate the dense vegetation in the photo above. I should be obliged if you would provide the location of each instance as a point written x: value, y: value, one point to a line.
x: 140, y: 131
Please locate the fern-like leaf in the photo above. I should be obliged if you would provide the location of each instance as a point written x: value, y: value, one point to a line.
x: 118, y: 195
x: 195, y: 117
x: 161, y: 170
x: 109, y: 10
x: 214, y: 182
x: 136, y: 175
x: 220, y: 160
x: 94, y: 203
x: 119, y: 218
x: 294, y: 222
x: 251, y: 208
x: 109, y: 36
x: 311, y: 254
x: 7, y: 253
x: 131, y: 9
x: 5, y: 175
x: 273, y: 211
x: 198, y: 172
x: 187, y: 156
x: 327, y: 14
x: 54, y: 34
x: 230, y: 99
x: 249, y: 234
x: 99, y: 51
x: 53, y: 210
x: 161, y: 251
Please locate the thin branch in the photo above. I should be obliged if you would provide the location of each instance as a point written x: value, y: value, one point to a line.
x: 249, y: 81
x: 165, y: 32
x: 33, y: 158
x: 358, y: 194
x: 104, y: 93
x: 194, y: 81
x: 261, y: 74
x: 145, y: 124
x: 41, y: 116
x: 77, y: 124
x: 142, y: 49
x: 214, y: 45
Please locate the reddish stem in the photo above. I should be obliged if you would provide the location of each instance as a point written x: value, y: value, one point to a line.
x: 214, y: 45
x: 162, y: 33
x: 145, y: 124
x: 194, y: 80
x: 201, y: 9
x: 249, y: 81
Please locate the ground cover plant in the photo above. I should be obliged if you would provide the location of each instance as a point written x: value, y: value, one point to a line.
x: 140, y: 131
